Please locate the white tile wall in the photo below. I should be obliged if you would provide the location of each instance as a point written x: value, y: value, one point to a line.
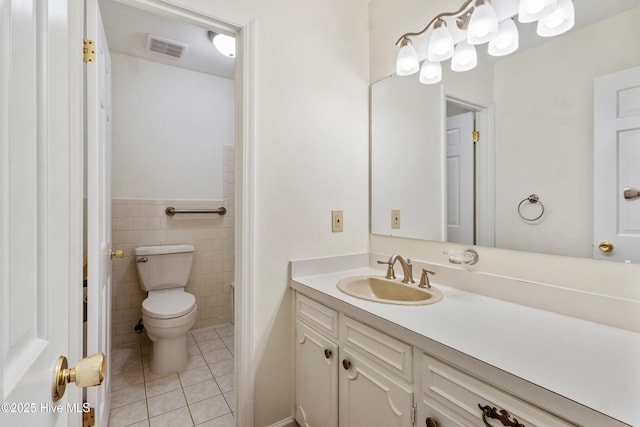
x: 144, y: 223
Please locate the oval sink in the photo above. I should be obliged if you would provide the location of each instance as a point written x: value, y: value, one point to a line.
x: 379, y: 289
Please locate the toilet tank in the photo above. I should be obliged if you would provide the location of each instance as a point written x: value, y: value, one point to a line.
x: 163, y: 267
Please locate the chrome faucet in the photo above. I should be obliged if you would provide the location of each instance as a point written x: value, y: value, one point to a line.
x: 407, y: 268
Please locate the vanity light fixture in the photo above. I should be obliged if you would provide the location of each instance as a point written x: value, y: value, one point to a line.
x: 478, y: 23
x: 483, y: 25
x: 440, y: 43
x: 225, y: 44
x: 559, y: 21
x: 506, y: 41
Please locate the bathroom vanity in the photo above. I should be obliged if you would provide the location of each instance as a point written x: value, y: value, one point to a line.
x: 467, y: 360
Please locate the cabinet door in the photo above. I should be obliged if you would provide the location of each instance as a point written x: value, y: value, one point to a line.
x: 369, y: 396
x: 316, y: 379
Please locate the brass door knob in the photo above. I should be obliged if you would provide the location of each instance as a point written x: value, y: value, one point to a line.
x: 117, y: 253
x: 346, y: 364
x: 327, y: 353
x: 605, y: 246
x: 88, y: 372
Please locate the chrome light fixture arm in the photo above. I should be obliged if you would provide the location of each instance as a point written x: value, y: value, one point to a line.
x: 436, y: 18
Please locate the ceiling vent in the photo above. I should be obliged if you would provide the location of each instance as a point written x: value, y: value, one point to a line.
x: 164, y: 46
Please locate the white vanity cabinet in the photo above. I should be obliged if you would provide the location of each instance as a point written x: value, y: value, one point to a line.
x: 452, y: 398
x: 365, y: 380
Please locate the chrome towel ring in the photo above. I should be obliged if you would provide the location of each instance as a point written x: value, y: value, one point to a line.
x: 534, y: 200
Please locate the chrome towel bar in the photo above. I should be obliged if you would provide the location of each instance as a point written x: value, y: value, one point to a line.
x: 171, y: 211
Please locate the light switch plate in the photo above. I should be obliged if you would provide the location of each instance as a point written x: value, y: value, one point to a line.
x: 395, y: 218
x: 337, y: 221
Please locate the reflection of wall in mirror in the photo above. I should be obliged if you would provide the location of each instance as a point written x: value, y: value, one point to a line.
x: 544, y: 133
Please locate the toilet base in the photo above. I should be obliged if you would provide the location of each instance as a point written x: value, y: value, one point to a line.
x: 169, y: 354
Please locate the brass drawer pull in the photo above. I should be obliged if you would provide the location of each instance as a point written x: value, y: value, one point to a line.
x: 346, y: 364
x: 504, y: 417
x: 431, y: 422
x: 327, y: 353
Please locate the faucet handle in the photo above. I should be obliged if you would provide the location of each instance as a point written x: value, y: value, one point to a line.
x: 390, y: 273
x: 424, y: 278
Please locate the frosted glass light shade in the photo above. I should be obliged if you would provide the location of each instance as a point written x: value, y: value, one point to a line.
x: 507, y: 39
x: 407, y: 62
x: 532, y: 10
x: 431, y: 72
x: 559, y: 21
x: 440, y: 44
x: 483, y: 25
x: 464, y: 58
x: 225, y: 44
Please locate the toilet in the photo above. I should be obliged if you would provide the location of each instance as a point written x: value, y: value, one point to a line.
x: 168, y: 312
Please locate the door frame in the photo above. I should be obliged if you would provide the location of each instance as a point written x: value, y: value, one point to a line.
x: 244, y: 190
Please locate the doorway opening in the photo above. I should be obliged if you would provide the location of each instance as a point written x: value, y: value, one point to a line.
x: 174, y: 133
x: 470, y: 176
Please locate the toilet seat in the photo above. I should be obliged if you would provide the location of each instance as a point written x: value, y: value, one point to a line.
x: 168, y: 305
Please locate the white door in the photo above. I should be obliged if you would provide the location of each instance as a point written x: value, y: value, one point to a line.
x: 316, y: 379
x: 40, y: 209
x: 98, y: 131
x: 616, y: 219
x: 460, y: 179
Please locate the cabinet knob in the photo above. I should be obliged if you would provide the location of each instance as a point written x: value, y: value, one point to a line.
x: 346, y: 364
x: 327, y: 353
x: 431, y: 422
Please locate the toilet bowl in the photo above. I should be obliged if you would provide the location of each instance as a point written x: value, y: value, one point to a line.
x: 168, y: 312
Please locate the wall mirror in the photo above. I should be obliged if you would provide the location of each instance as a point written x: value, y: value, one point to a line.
x: 535, y: 113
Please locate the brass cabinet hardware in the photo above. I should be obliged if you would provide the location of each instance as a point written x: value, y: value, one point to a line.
x: 431, y: 422
x: 88, y: 372
x: 631, y: 193
x: 504, y: 417
x: 606, y: 246
x: 346, y: 364
x: 327, y: 353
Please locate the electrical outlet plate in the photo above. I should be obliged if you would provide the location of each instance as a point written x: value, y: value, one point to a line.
x: 395, y: 218
x: 337, y: 221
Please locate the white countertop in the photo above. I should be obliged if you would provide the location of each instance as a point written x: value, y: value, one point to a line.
x: 595, y: 365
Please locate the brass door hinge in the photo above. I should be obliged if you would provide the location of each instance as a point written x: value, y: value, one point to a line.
x: 88, y: 50
x: 475, y: 136
x: 89, y: 418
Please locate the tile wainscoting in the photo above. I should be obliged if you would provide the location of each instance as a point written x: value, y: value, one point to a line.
x: 144, y: 223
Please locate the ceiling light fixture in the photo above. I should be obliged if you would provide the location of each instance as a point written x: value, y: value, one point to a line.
x: 225, y: 44
x: 478, y: 23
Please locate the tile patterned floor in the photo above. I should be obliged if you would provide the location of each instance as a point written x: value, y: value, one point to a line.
x: 201, y: 394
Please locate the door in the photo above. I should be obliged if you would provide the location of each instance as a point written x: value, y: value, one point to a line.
x: 616, y: 158
x: 460, y: 179
x: 368, y: 397
x: 316, y: 379
x: 98, y: 134
x: 40, y: 209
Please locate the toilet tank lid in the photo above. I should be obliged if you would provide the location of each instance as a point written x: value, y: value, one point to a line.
x: 160, y: 250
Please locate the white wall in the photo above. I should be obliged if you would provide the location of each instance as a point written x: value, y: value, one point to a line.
x: 311, y: 156
x: 388, y: 21
x: 169, y: 127
x: 407, y: 148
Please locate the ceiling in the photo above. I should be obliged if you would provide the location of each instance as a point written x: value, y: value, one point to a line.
x: 127, y: 29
